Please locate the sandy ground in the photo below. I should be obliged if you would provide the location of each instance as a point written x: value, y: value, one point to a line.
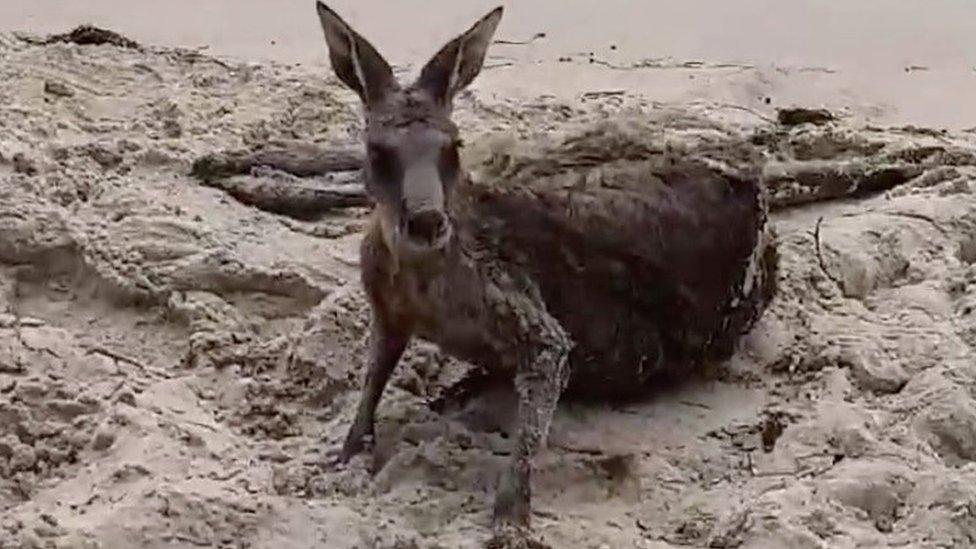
x: 883, y: 62
x: 175, y: 365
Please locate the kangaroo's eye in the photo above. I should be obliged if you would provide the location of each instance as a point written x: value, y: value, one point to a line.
x: 383, y: 163
x: 449, y: 164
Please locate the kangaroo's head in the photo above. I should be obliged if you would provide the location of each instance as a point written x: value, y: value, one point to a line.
x: 411, y: 143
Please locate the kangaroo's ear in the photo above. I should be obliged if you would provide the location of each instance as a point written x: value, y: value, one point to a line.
x: 457, y: 63
x: 354, y: 60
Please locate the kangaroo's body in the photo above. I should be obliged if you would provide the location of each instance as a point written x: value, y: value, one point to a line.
x: 533, y: 282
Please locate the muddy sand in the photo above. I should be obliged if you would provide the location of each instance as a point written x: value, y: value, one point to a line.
x: 175, y: 365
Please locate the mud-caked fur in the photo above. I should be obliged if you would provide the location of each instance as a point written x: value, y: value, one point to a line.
x: 451, y: 262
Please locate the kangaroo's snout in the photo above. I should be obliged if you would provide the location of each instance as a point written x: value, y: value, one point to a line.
x: 428, y: 228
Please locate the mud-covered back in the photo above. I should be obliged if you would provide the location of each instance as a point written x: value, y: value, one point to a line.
x: 650, y: 245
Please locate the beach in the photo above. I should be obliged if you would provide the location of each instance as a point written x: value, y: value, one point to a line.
x: 178, y: 365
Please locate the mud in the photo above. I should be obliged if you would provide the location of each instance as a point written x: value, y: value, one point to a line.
x: 176, y: 365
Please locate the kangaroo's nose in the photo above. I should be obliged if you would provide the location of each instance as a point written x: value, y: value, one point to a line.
x: 427, y: 226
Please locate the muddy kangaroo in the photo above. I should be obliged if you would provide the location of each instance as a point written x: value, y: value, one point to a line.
x: 483, y: 274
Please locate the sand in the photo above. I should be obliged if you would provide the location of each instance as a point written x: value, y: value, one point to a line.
x: 883, y: 62
x: 175, y: 366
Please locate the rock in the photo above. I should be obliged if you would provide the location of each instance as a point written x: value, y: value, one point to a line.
x: 950, y: 427
x: 46, y: 530
x: 24, y: 458
x: 798, y: 115
x: 104, y: 157
x: 875, y: 488
x: 130, y: 471
x: 88, y: 35
x: 70, y: 409
x: 875, y: 374
x: 772, y: 429
x: 967, y: 249
x: 126, y: 397
x: 104, y: 439
x: 172, y: 129
x: 23, y: 164
x: 58, y: 89
x: 7, y: 445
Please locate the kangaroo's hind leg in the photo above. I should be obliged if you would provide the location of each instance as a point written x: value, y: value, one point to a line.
x: 542, y: 353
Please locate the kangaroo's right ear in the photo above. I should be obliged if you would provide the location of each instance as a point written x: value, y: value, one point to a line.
x: 354, y: 60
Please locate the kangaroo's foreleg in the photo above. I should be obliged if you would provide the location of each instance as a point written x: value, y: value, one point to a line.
x: 387, y: 343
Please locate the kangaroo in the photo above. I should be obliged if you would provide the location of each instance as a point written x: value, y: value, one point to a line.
x: 430, y: 271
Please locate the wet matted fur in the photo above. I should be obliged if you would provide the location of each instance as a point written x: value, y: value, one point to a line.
x: 528, y: 278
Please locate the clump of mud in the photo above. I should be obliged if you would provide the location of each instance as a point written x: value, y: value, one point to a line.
x: 176, y: 366
x: 90, y: 35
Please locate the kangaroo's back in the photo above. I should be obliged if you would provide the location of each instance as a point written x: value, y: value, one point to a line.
x: 653, y: 263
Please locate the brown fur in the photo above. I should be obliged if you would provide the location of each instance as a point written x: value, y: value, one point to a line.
x: 527, y: 280
x: 640, y: 254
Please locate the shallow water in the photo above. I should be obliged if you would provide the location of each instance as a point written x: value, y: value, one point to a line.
x: 910, y: 61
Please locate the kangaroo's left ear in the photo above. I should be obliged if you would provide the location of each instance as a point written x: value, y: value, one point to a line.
x: 459, y: 62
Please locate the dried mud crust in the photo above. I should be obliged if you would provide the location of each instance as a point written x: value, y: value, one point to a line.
x: 613, y: 221
x: 176, y: 367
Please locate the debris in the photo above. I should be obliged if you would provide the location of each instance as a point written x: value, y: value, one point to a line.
x: 772, y: 429
x: 798, y: 115
x: 536, y: 36
x: 296, y: 159
x: 57, y: 89
x: 89, y: 35
x: 23, y: 164
x: 301, y: 199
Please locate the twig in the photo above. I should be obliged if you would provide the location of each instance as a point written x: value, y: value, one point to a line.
x: 666, y: 63
x: 824, y: 70
x: 498, y: 65
x: 814, y: 471
x: 18, y: 324
x: 535, y: 37
x: 98, y: 350
x: 581, y: 451
x: 149, y: 70
x: 202, y: 425
x: 613, y: 66
x: 294, y: 159
x: 115, y: 356
x: 191, y: 540
x: 301, y: 199
x: 12, y: 369
x: 753, y: 112
x: 607, y: 93
x: 226, y: 476
x: 115, y: 391
x: 920, y: 217
x: 318, y: 230
x: 771, y: 488
x: 899, y: 213
x: 21, y: 322
x: 762, y: 474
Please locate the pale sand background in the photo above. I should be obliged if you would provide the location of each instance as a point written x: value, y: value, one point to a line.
x: 840, y: 54
x: 175, y: 365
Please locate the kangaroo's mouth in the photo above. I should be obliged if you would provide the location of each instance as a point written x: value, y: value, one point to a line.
x: 426, y: 230
x: 423, y: 245
x: 405, y: 245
